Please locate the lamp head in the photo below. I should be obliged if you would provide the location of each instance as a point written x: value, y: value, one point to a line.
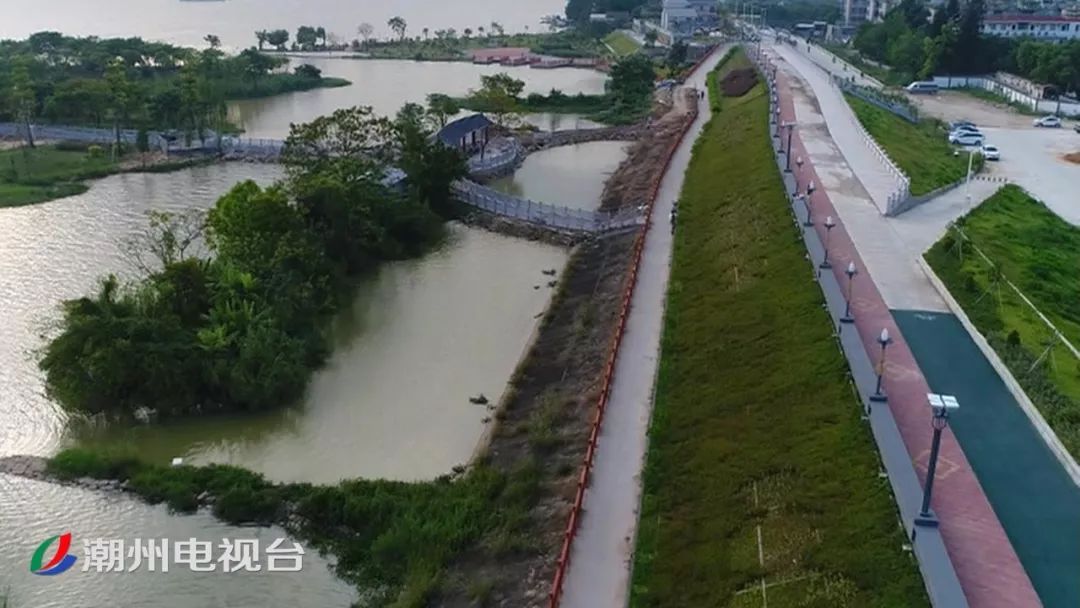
x: 942, y: 405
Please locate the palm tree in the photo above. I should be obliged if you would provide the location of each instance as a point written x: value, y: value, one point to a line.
x: 425, y: 31
x: 480, y: 31
x: 467, y: 32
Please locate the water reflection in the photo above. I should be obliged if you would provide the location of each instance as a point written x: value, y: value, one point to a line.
x: 568, y: 176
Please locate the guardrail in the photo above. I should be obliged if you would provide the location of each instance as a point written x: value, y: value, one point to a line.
x: 871, y: 96
x: 609, y: 368
x: 543, y: 214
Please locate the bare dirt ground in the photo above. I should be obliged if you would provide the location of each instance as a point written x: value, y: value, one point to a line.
x: 544, y: 422
x: 631, y: 184
x: 957, y: 105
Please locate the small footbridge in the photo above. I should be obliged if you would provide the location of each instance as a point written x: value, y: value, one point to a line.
x: 546, y: 215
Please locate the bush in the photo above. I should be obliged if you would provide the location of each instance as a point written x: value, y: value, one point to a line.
x: 95, y: 151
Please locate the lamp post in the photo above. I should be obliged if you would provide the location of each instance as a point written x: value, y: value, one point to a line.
x: 790, y: 126
x: 884, y: 340
x: 829, y: 225
x: 941, y: 405
x: 850, y: 271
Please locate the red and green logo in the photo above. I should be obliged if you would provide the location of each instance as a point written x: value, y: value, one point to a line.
x: 61, y: 562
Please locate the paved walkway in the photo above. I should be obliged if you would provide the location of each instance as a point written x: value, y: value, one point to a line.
x: 876, y: 178
x: 600, y: 561
x: 984, y: 559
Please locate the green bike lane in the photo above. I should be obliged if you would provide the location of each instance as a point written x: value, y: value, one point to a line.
x: 1034, y: 498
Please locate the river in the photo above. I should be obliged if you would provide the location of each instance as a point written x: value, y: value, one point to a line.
x: 386, y: 85
x: 235, y: 21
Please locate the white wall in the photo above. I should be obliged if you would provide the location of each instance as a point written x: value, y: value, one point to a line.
x: 980, y: 82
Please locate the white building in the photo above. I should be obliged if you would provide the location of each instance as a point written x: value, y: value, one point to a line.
x: 678, y: 17
x: 855, y: 12
x: 1040, y: 27
x: 877, y: 9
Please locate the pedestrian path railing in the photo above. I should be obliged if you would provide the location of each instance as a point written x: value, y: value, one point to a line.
x: 562, y: 218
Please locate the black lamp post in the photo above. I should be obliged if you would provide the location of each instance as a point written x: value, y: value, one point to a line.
x: 829, y: 225
x: 790, y: 126
x: 884, y: 340
x: 851, y: 271
x: 941, y: 405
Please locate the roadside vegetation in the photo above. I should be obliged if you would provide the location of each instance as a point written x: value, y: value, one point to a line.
x: 920, y: 150
x: 628, y: 98
x: 1038, y: 252
x: 733, y: 60
x: 130, y: 83
x: 243, y: 329
x: 760, y: 470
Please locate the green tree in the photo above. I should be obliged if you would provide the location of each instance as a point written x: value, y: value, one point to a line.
x: 213, y: 40
x: 398, y: 26
x: 677, y: 55
x: 497, y: 29
x: 255, y: 66
x: 278, y: 38
x: 22, y: 98
x: 442, y: 107
x: 906, y: 53
x: 365, y: 31
x: 262, y: 36
x: 308, y: 71
x: 430, y: 166
x: 498, y: 95
x: 307, y: 37
x: 650, y: 38
x: 121, y: 97
x: 632, y: 79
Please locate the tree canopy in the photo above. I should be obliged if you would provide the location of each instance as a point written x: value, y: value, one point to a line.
x: 241, y: 330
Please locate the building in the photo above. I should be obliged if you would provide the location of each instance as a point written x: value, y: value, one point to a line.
x: 678, y: 17
x: 855, y: 12
x: 469, y: 134
x: 877, y: 9
x: 1050, y: 28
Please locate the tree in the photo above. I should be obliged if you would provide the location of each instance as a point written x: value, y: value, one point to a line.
x: 278, y: 38
x: 906, y: 53
x: 168, y: 238
x: 968, y: 39
x: 344, y: 144
x: 365, y: 31
x: 399, y: 26
x: 632, y: 80
x: 467, y: 33
x: 498, y: 95
x: 497, y: 28
x: 677, y: 55
x: 320, y: 33
x: 306, y: 70
x: 442, y: 107
x: 255, y: 65
x: 306, y: 37
x: 651, y: 37
x: 425, y: 32
x: 22, y: 99
x: 121, y: 96
x: 142, y: 144
x: 79, y: 101
x: 916, y: 14
x: 212, y: 40
x: 430, y: 166
x: 262, y: 36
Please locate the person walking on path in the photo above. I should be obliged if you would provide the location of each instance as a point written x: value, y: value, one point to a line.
x: 674, y: 215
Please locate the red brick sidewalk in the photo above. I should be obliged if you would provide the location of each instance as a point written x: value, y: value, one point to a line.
x: 986, y: 564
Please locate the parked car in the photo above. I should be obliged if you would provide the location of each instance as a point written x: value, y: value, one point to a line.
x: 991, y: 152
x: 967, y: 139
x: 964, y: 132
x: 1052, y: 122
x: 922, y: 88
x: 961, y: 124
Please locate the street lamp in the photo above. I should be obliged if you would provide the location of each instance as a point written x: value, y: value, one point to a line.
x: 829, y: 225
x: 941, y: 405
x: 850, y: 271
x: 790, y: 126
x: 884, y: 340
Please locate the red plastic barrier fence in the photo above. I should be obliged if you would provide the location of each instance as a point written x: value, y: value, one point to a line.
x: 609, y: 369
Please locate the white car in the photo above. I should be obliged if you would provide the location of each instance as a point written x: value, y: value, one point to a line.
x: 966, y: 139
x: 964, y: 131
x: 1052, y: 122
x: 991, y: 153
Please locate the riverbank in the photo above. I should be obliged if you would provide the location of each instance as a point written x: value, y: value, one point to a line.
x: 279, y: 84
x: 447, y: 45
x: 758, y: 464
x: 52, y: 171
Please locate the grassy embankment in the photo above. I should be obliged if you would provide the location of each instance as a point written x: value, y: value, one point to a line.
x: 391, y: 539
x: 759, y: 465
x: 45, y: 173
x: 920, y: 150
x: 1040, y: 253
x: 621, y: 43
